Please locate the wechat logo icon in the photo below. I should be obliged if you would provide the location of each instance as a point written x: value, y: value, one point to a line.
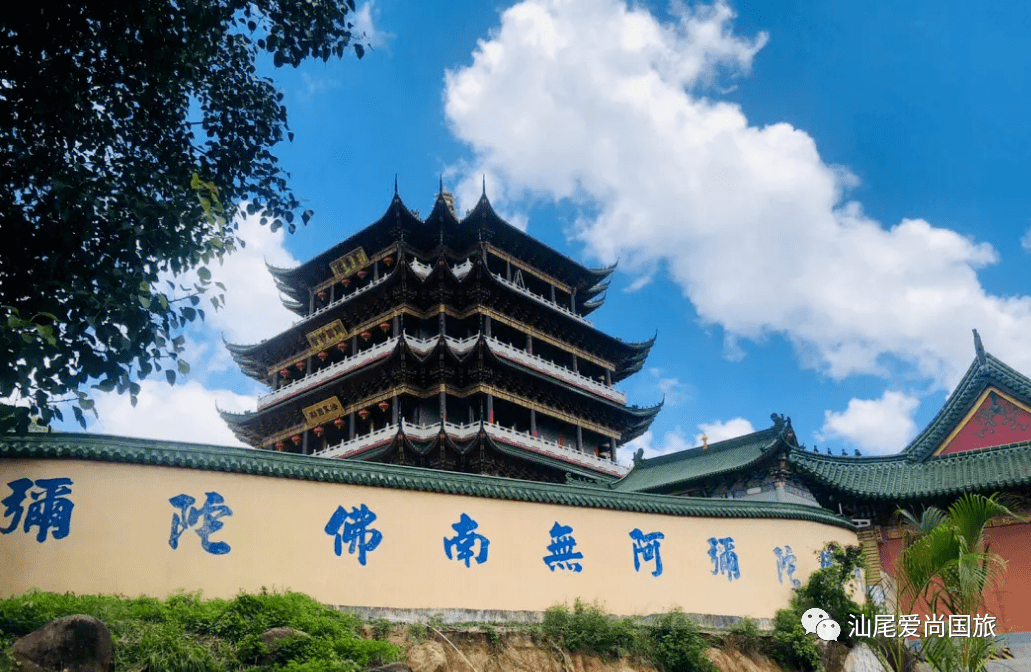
x: 819, y: 621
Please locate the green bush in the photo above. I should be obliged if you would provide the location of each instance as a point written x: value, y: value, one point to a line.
x: 588, y: 629
x: 829, y: 588
x: 744, y: 635
x: 676, y: 645
x: 792, y: 646
x: 187, y: 634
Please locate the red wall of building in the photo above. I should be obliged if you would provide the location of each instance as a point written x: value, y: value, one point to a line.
x: 1011, y: 604
x: 997, y: 422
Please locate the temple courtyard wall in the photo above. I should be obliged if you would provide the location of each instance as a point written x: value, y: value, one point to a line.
x: 124, y: 516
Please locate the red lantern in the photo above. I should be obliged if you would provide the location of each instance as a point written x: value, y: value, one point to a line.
x: 321, y: 295
x: 319, y: 431
x: 363, y: 414
x: 385, y: 327
x: 296, y: 438
x: 300, y: 366
x: 342, y: 346
x: 388, y: 260
x: 361, y: 274
x: 285, y: 373
x: 323, y: 355
x: 383, y: 406
x: 339, y: 423
x: 366, y: 335
x: 280, y: 445
x: 345, y: 282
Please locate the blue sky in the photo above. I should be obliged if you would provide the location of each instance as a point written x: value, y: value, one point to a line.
x: 812, y: 203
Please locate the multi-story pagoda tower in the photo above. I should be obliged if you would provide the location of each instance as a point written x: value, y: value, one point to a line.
x: 458, y: 345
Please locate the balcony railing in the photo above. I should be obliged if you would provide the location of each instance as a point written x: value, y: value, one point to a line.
x: 466, y: 431
x: 541, y: 299
x: 342, y: 299
x: 421, y: 345
x: 539, y: 445
x: 359, y: 443
x: 460, y: 346
x: 567, y: 375
x: 421, y: 269
x: 461, y: 270
x: 331, y: 371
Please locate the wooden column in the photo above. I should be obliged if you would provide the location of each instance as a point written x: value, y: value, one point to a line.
x: 333, y: 292
x: 350, y: 423
x: 608, y: 377
x: 441, y: 324
x: 572, y: 300
x: 443, y: 406
x: 311, y: 301
x: 533, y: 422
x: 529, y: 343
x: 307, y: 366
x: 275, y: 380
x: 395, y: 326
x: 471, y: 416
x: 552, y: 287
x: 354, y: 345
x: 375, y: 270
x: 575, y: 367
x: 580, y: 438
x: 304, y: 442
x: 394, y: 410
x: 508, y: 270
x: 490, y: 408
x: 486, y: 326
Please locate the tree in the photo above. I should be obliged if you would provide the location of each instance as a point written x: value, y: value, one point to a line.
x: 946, y: 566
x: 126, y: 131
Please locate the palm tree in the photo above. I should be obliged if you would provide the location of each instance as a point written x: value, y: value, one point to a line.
x: 947, y: 566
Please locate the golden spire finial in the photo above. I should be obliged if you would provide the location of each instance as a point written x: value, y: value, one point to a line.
x: 705, y: 442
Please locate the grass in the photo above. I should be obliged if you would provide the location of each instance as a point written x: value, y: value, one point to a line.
x: 185, y: 633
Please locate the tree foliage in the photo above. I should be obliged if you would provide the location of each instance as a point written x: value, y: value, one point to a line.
x: 127, y: 130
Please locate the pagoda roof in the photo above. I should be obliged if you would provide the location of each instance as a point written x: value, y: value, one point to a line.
x: 441, y: 226
x: 686, y: 466
x: 103, y: 448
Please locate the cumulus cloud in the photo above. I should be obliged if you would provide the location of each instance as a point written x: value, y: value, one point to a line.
x: 721, y: 431
x: 880, y: 426
x: 601, y: 103
x: 365, y: 28
x: 673, y: 391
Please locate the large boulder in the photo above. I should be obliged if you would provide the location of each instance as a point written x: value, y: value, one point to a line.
x: 70, y: 644
x: 427, y: 657
x: 274, y: 639
x: 863, y: 659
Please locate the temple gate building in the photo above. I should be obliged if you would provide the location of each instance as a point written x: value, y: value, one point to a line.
x: 463, y: 345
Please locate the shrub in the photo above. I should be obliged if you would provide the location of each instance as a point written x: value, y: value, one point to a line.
x: 588, y: 629
x: 676, y: 645
x: 792, y: 647
x: 744, y: 635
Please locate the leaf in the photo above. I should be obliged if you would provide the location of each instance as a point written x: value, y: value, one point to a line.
x: 106, y: 385
x: 85, y: 403
x: 145, y: 301
x: 203, y: 273
x: 170, y: 375
x: 184, y: 368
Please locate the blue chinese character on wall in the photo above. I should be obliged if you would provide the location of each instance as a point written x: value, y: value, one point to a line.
x: 462, y: 545
x: 352, y: 528
x: 786, y: 565
x: 826, y: 558
x: 50, y: 508
x: 561, y: 549
x: 646, y: 547
x: 188, y: 515
x: 723, y: 557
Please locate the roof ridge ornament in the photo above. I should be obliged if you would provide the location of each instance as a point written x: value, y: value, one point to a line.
x: 395, y: 185
x: 979, y: 349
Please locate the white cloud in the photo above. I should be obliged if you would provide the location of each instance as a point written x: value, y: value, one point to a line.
x: 673, y: 391
x: 598, y: 102
x: 721, y: 431
x: 183, y: 412
x: 1025, y: 240
x: 316, y: 85
x: 368, y: 34
x: 253, y: 310
x: 880, y: 426
x: 671, y: 442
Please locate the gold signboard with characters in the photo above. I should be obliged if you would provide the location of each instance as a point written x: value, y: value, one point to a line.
x: 322, y: 412
x: 327, y: 335
x: 349, y: 263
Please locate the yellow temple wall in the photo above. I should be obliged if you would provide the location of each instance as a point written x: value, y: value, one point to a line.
x: 119, y: 529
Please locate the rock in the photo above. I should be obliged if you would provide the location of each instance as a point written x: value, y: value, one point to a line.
x: 70, y: 644
x: 832, y: 655
x: 427, y: 657
x: 862, y: 659
x: 273, y: 640
x: 392, y: 667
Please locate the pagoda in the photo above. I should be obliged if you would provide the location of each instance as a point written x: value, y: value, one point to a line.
x: 462, y: 345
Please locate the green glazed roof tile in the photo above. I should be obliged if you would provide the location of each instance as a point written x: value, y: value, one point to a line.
x: 104, y: 448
